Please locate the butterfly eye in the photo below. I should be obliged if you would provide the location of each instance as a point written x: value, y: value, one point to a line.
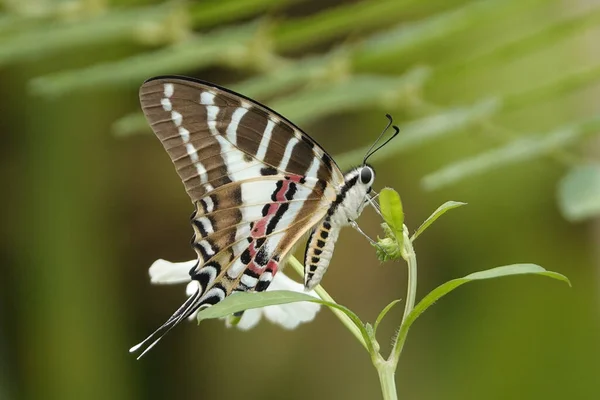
x: 365, y: 175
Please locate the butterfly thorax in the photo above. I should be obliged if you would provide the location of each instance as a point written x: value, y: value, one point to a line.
x: 351, y: 196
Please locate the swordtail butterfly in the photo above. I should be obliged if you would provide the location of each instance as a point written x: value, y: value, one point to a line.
x: 258, y: 184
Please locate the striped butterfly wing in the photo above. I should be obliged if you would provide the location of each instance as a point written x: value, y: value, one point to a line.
x: 257, y: 181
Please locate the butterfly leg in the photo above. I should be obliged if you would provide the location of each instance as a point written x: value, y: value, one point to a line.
x: 374, y: 204
x: 374, y: 243
x: 355, y: 226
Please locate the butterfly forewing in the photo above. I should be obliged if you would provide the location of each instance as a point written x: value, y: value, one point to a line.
x: 214, y: 137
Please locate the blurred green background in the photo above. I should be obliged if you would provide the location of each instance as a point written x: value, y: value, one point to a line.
x: 498, y: 106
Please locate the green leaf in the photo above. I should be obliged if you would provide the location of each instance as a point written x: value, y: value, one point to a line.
x: 507, y: 270
x: 244, y: 301
x: 441, y: 210
x: 382, y: 314
x: 391, y: 208
x: 579, y: 193
x: 111, y: 26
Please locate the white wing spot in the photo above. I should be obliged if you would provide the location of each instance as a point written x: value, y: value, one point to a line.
x: 212, y: 111
x: 209, y: 204
x: 205, y: 222
x: 235, y: 121
x: 176, y: 117
x: 218, y: 292
x: 312, y: 173
x: 288, y: 153
x: 185, y: 134
x: 249, y: 281
x: 264, y: 142
x: 191, y: 150
x: 201, y: 172
x: 169, y: 89
x: 166, y: 104
x: 211, y: 272
x: 236, y: 269
x: 266, y: 277
x: 207, y: 98
x: 207, y: 247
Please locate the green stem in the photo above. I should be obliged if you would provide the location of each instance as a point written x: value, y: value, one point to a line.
x: 387, y: 379
x: 408, y: 253
x: 299, y: 268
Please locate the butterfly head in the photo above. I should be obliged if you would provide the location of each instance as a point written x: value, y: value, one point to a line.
x: 366, y: 176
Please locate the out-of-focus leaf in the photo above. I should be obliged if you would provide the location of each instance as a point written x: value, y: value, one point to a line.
x: 403, y: 38
x: 131, y: 124
x: 367, y: 91
x: 197, y: 51
x: 49, y: 38
x: 579, y: 193
x: 210, y: 13
x: 566, y: 83
x: 334, y: 22
x: 550, y: 33
x: 519, y: 150
x: 441, y: 210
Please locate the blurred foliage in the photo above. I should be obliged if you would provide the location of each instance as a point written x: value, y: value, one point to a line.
x: 497, y: 105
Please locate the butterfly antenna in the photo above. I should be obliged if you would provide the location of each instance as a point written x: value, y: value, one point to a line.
x: 397, y: 131
x: 368, y: 153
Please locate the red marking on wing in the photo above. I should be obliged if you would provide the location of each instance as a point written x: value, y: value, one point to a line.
x: 260, y: 227
x: 272, y: 266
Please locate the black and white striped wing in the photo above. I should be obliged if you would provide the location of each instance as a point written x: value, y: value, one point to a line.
x: 215, y: 136
x: 257, y: 181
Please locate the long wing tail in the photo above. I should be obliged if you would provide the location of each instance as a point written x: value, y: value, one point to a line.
x: 187, y: 309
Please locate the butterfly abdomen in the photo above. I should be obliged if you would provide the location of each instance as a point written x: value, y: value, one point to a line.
x: 319, y: 251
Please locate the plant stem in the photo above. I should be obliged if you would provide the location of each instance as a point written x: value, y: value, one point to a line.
x: 299, y: 268
x: 408, y: 253
x: 386, y: 371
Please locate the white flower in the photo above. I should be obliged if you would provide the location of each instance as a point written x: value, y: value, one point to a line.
x: 288, y: 315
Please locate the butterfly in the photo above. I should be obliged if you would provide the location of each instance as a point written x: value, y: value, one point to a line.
x: 258, y: 184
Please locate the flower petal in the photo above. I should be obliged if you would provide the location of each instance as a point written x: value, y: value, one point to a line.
x: 191, y: 288
x: 290, y: 315
x: 165, y: 272
x: 282, y: 282
x: 250, y: 319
